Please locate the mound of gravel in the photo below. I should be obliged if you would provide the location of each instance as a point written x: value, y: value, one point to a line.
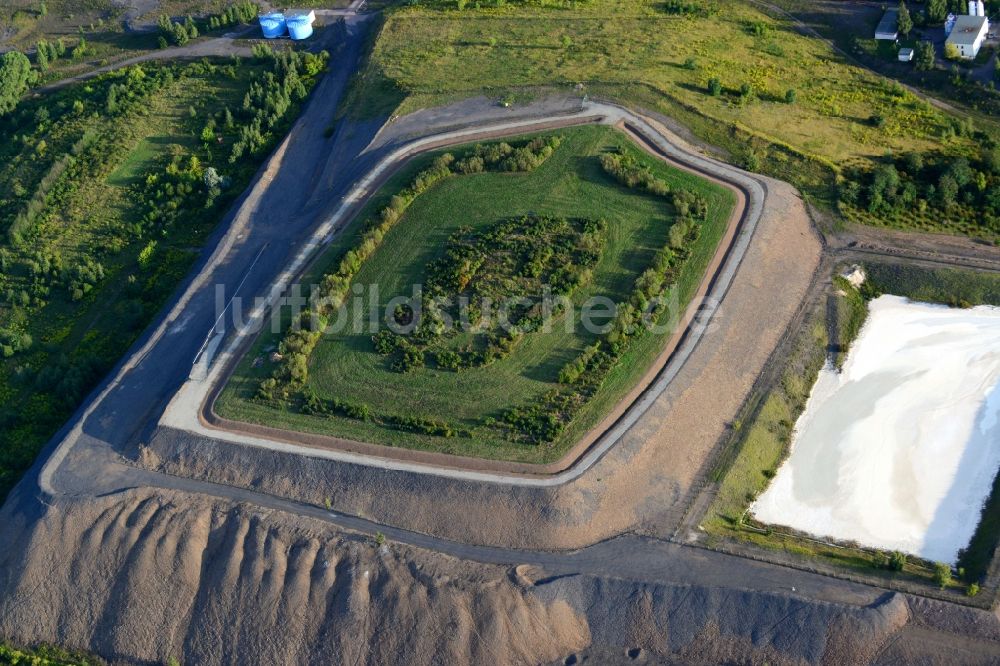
x: 146, y: 576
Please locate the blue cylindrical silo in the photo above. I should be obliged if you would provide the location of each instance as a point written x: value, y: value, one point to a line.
x: 299, y: 27
x: 272, y: 25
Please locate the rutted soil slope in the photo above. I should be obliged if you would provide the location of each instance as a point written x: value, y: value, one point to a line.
x: 144, y: 576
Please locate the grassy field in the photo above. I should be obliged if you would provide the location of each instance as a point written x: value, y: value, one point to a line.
x: 761, y: 443
x: 644, y: 54
x: 429, y: 52
x: 104, y: 207
x: 852, y: 26
x: 571, y: 183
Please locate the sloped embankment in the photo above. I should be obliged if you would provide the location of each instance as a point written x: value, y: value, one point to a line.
x: 146, y: 576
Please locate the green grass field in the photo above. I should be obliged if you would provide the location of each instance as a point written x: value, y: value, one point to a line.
x: 571, y: 183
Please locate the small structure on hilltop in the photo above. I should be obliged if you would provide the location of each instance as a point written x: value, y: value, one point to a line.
x: 272, y: 24
x: 300, y: 23
x: 968, y: 34
x: 888, y: 27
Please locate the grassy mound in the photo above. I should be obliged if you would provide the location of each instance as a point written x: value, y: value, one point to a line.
x: 472, y: 234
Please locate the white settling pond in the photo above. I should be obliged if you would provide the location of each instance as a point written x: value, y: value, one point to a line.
x: 899, y: 449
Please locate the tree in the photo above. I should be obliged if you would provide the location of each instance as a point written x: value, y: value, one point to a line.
x: 937, y: 10
x: 905, y: 21
x: 15, y: 73
x: 947, y: 190
x: 961, y: 171
x: 951, y: 53
x: 923, y: 55
x: 111, y: 103
x: 80, y: 50
x: 714, y: 87
x: 991, y: 159
x: 180, y: 34
x: 212, y: 178
x: 914, y: 163
x: 42, y: 56
x: 790, y: 96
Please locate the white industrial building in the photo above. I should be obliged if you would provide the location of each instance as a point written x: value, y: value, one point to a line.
x: 968, y: 32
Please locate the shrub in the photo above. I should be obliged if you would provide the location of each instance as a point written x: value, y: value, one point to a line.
x: 386, y: 342
x: 897, y: 561
x: 410, y: 359
x: 714, y: 87
x: 687, y: 8
x: 942, y: 575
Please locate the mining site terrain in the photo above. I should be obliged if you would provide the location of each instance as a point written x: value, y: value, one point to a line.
x: 187, y: 483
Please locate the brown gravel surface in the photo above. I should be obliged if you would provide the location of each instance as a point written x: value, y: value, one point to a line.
x: 144, y: 576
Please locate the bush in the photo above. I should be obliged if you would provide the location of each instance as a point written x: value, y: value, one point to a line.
x: 410, y: 359
x: 897, y: 561
x: 942, y: 574
x: 687, y: 8
x: 714, y: 87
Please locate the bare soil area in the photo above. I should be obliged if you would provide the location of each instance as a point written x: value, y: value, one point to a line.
x: 147, y: 576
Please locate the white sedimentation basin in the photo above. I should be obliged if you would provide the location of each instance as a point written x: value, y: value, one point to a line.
x: 899, y: 449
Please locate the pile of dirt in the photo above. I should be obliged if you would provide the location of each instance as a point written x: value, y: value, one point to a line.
x: 146, y: 576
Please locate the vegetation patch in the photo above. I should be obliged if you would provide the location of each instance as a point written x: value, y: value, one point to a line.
x: 475, y: 226
x: 107, y: 190
x: 934, y: 192
x: 519, y: 261
x: 46, y: 655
